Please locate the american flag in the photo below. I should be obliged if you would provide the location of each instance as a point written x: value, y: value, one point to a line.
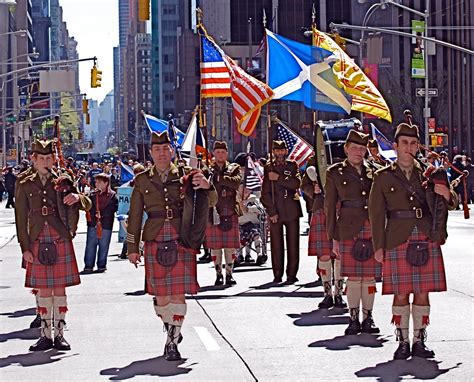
x: 252, y: 176
x: 248, y: 94
x: 298, y: 149
x: 215, y: 77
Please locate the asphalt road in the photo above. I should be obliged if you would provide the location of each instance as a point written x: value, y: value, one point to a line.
x: 252, y: 331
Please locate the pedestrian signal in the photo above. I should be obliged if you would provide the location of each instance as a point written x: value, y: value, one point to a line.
x: 96, y: 77
x: 438, y: 140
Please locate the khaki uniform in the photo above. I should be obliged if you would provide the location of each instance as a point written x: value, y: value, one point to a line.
x: 283, y: 201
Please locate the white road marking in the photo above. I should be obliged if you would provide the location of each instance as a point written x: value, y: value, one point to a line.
x: 206, y: 338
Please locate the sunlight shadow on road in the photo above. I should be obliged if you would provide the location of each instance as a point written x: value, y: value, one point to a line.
x: 321, y: 317
x: 24, y: 334
x: 397, y: 370
x: 33, y: 358
x: 346, y: 342
x: 157, y: 366
x: 20, y: 313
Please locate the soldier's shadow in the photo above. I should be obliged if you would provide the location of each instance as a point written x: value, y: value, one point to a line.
x: 20, y: 313
x: 156, y: 366
x: 32, y: 358
x: 346, y: 342
x: 397, y: 370
x: 24, y: 334
x: 320, y: 317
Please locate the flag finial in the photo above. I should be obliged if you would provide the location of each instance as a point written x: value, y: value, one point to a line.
x: 264, y: 18
x: 313, y: 15
x: 199, y: 15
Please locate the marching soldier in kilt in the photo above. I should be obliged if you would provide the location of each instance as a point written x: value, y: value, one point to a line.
x: 170, y: 267
x: 375, y: 158
x: 45, y: 238
x: 347, y: 223
x: 222, y: 233
x: 329, y: 267
x: 280, y: 197
x: 405, y: 242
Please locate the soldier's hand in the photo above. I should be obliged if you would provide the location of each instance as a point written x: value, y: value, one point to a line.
x: 71, y: 199
x: 274, y: 218
x: 200, y: 181
x: 442, y: 190
x: 273, y: 175
x: 379, y: 255
x: 28, y: 256
x: 316, y: 188
x: 335, y: 248
x: 134, y: 258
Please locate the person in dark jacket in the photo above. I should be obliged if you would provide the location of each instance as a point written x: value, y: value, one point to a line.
x: 10, y: 180
x: 100, y: 221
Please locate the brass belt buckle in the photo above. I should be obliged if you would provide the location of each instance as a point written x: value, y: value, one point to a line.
x: 169, y: 214
x: 418, y: 213
x: 224, y: 193
x: 44, y: 211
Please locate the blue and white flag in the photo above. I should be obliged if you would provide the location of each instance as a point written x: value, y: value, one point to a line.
x: 126, y: 173
x: 385, y: 146
x: 159, y: 125
x: 300, y: 72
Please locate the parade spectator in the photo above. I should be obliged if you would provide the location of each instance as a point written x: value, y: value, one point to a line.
x: 455, y: 174
x: 10, y: 180
x: 92, y: 173
x: 104, y: 201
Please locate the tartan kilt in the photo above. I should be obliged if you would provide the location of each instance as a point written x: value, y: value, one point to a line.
x: 399, y: 277
x: 63, y: 273
x: 318, y: 243
x: 167, y: 281
x: 218, y: 239
x: 350, y: 267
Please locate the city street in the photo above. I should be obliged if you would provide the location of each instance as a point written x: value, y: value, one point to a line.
x: 252, y: 331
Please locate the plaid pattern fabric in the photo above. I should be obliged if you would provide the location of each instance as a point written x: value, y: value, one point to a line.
x: 350, y: 267
x: 218, y: 239
x: 399, y: 277
x: 318, y: 244
x: 167, y: 281
x: 62, y: 274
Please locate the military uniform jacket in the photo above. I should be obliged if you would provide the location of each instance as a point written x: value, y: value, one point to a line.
x: 344, y: 183
x: 389, y: 194
x: 307, y: 186
x: 150, y: 194
x: 33, y: 206
x: 227, y: 180
x: 286, y: 203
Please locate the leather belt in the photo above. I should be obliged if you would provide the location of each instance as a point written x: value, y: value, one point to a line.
x: 354, y: 203
x: 406, y: 214
x: 168, y: 214
x: 44, y: 211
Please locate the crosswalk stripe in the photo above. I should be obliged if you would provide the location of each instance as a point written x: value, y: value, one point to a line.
x: 206, y: 338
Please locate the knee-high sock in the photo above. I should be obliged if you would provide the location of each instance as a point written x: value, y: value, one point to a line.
x: 401, y: 320
x: 162, y: 311
x: 178, y: 312
x: 229, y: 254
x: 45, y: 310
x: 325, y: 270
x: 35, y: 292
x: 368, y: 296
x: 338, y: 279
x: 60, y: 309
x: 216, y: 255
x: 421, y: 319
x: 354, y: 292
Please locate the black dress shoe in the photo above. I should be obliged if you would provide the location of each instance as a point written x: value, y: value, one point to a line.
x: 248, y: 259
x: 339, y: 302
x: 219, y: 280
x: 44, y: 343
x: 327, y: 302
x: 171, y: 352
x: 60, y: 343
x: 206, y: 257
x: 368, y: 326
x: 419, y: 349
x: 261, y: 259
x: 403, y: 351
x: 229, y: 280
x: 239, y: 259
x: 277, y: 280
x: 353, y: 328
x: 291, y: 280
x: 36, y: 323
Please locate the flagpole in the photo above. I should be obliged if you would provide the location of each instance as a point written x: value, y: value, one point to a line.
x: 313, y: 42
x: 202, y: 100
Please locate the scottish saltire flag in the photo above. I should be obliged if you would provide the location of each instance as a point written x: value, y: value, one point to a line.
x: 385, y: 146
x: 126, y: 173
x: 298, y: 149
x: 159, y: 125
x: 253, y: 176
x: 215, y: 77
x: 194, y: 143
x: 300, y: 72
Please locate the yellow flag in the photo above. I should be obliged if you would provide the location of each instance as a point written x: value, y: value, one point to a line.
x: 365, y: 96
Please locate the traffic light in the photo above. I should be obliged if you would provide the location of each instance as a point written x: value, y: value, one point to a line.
x: 143, y: 10
x: 96, y: 77
x: 85, y: 106
x: 88, y: 119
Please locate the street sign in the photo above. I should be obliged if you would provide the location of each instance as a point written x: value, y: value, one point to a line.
x: 10, y: 119
x: 432, y: 92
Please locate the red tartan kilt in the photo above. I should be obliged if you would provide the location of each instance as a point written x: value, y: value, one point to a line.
x: 350, y: 267
x: 167, y: 281
x: 318, y: 244
x: 399, y: 277
x: 63, y: 273
x: 218, y: 239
